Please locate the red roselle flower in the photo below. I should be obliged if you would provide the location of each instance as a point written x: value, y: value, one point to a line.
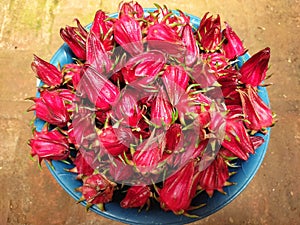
x: 189, y: 41
x: 161, y: 109
x: 195, y: 107
x: 147, y: 97
x: 103, y: 29
x: 175, y: 80
x: 257, y: 113
x: 51, y: 108
x: 164, y: 16
x: 174, y: 138
x: 229, y: 83
x: 84, y: 163
x: 49, y: 145
x: 209, y: 31
x: 203, y: 75
x: 119, y: 171
x: 81, y: 131
x: 136, y: 196
x: 162, y: 37
x: 214, y: 177
x: 46, y: 72
x: 226, y: 154
x: 115, y: 140
x: 75, y: 37
x: 234, y: 111
x: 117, y: 78
x: 232, y: 98
x: 198, y: 111
x: 254, y: 70
x: 97, y: 189
x: 103, y: 116
x: 127, y: 110
x: 207, y: 23
x: 160, y: 14
x: 142, y: 130
x: 132, y: 9
x: 257, y: 141
x: 96, y: 54
x: 81, y: 30
x: 72, y: 74
x: 99, y: 26
x: 216, y: 61
x: 177, y: 23
x: 128, y: 34
x: 193, y: 144
x: 146, y: 65
x: 68, y: 98
x: 233, y: 46
x: 179, y: 189
x: 156, y: 17
x: 185, y: 107
x: 147, y: 156
x: 237, y: 140
x: 100, y: 91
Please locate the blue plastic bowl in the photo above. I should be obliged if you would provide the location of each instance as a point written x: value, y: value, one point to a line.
x: 245, y: 171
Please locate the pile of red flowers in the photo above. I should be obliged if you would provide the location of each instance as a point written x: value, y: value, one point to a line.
x: 151, y: 106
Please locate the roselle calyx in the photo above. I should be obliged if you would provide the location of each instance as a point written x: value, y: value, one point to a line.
x: 214, y: 177
x: 128, y: 34
x: 100, y: 91
x: 233, y: 46
x: 257, y: 113
x: 189, y: 41
x: 175, y: 80
x: 209, y: 33
x: 127, y: 109
x: 136, y: 196
x: 132, y: 9
x: 115, y: 140
x: 102, y: 27
x: 96, y: 55
x: 162, y: 37
x: 179, y: 189
x: 97, y: 189
x: 162, y: 113
x: 75, y: 37
x: 253, y: 71
x: 146, y: 65
x: 49, y: 145
x: 51, y: 108
x: 46, y: 72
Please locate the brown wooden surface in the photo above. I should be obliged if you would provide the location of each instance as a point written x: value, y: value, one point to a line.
x: 31, y: 196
